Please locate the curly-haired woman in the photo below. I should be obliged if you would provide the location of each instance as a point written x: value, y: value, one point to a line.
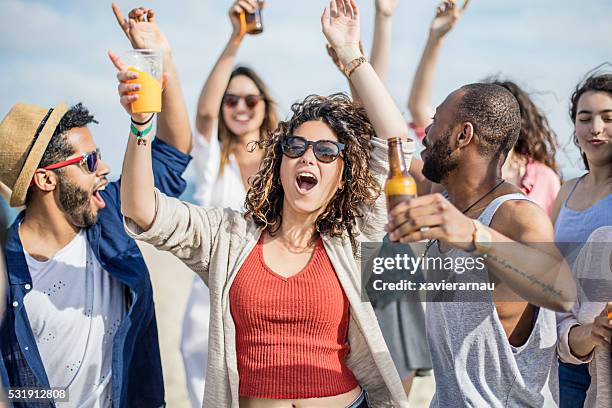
x: 531, y: 164
x: 287, y: 324
x: 235, y: 108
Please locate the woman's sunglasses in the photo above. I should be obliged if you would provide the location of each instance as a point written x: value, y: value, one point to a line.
x: 232, y: 100
x: 325, y: 151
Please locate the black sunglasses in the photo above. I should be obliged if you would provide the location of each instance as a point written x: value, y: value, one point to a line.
x: 232, y: 100
x: 325, y: 151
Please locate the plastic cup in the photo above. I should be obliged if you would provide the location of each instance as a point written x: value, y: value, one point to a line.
x: 148, y: 64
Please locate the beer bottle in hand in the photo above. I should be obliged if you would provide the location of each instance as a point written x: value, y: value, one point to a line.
x: 400, y: 185
x: 251, y: 22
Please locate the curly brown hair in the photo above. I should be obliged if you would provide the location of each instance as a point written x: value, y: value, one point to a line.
x: 536, y: 140
x: 264, y: 200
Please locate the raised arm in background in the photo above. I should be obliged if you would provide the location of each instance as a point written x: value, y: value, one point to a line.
x: 419, y: 101
x: 173, y: 126
x: 341, y: 26
x: 381, y: 46
x: 212, y: 93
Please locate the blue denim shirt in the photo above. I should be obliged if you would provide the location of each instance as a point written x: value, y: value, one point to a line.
x: 136, y: 366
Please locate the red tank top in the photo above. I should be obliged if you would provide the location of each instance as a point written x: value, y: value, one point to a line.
x: 291, y: 333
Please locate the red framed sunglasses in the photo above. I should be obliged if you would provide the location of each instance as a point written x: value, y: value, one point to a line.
x: 88, y: 160
x: 232, y: 100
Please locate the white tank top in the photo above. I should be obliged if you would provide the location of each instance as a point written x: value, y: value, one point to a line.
x: 474, y: 364
x: 214, y: 189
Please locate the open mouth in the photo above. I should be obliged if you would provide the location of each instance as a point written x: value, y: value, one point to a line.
x: 305, y: 182
x: 98, y: 198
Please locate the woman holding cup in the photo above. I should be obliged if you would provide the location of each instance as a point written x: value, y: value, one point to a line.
x: 314, y: 198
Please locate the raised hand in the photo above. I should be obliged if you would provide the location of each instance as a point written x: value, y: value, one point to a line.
x: 340, y: 22
x: 239, y: 7
x: 447, y: 15
x: 141, y: 29
x: 386, y: 7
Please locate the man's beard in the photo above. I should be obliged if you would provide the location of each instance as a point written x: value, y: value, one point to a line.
x: 74, y: 202
x: 439, y: 162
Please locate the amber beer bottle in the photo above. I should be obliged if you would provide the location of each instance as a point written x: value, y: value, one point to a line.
x: 251, y: 22
x: 400, y: 185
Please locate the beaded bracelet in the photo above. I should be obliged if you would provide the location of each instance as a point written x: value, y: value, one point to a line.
x: 140, y: 134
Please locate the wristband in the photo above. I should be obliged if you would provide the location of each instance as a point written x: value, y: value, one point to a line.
x: 142, y: 123
x: 353, y: 65
x: 140, y: 134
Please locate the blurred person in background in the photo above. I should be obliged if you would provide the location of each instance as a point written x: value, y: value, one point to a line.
x: 235, y: 108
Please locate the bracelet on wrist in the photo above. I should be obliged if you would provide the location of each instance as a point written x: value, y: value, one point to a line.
x: 143, y: 123
x: 141, y: 134
x: 353, y: 65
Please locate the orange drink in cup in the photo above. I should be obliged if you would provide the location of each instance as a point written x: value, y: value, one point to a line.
x: 149, y: 66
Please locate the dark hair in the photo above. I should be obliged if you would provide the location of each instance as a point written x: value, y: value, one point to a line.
x: 536, y: 139
x: 494, y: 112
x: 594, y: 81
x: 228, y: 139
x: 264, y: 201
x: 59, y: 148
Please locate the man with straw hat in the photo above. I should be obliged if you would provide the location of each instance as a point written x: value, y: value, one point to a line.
x: 80, y: 312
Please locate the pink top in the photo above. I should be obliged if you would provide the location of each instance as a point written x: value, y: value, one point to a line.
x: 541, y: 184
x: 419, y: 132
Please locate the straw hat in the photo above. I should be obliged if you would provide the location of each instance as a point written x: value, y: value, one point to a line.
x: 25, y: 133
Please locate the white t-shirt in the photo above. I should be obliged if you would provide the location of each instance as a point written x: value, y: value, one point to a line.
x: 75, y: 307
x: 214, y: 189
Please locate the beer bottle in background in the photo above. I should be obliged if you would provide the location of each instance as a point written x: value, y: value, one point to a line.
x: 251, y: 22
x: 400, y: 185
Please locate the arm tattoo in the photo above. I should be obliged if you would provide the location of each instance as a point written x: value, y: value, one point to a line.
x: 547, y: 288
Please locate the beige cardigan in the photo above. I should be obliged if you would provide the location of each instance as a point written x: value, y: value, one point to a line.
x: 593, y: 262
x: 214, y: 243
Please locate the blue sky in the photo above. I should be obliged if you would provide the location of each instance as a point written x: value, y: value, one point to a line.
x: 56, y: 50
